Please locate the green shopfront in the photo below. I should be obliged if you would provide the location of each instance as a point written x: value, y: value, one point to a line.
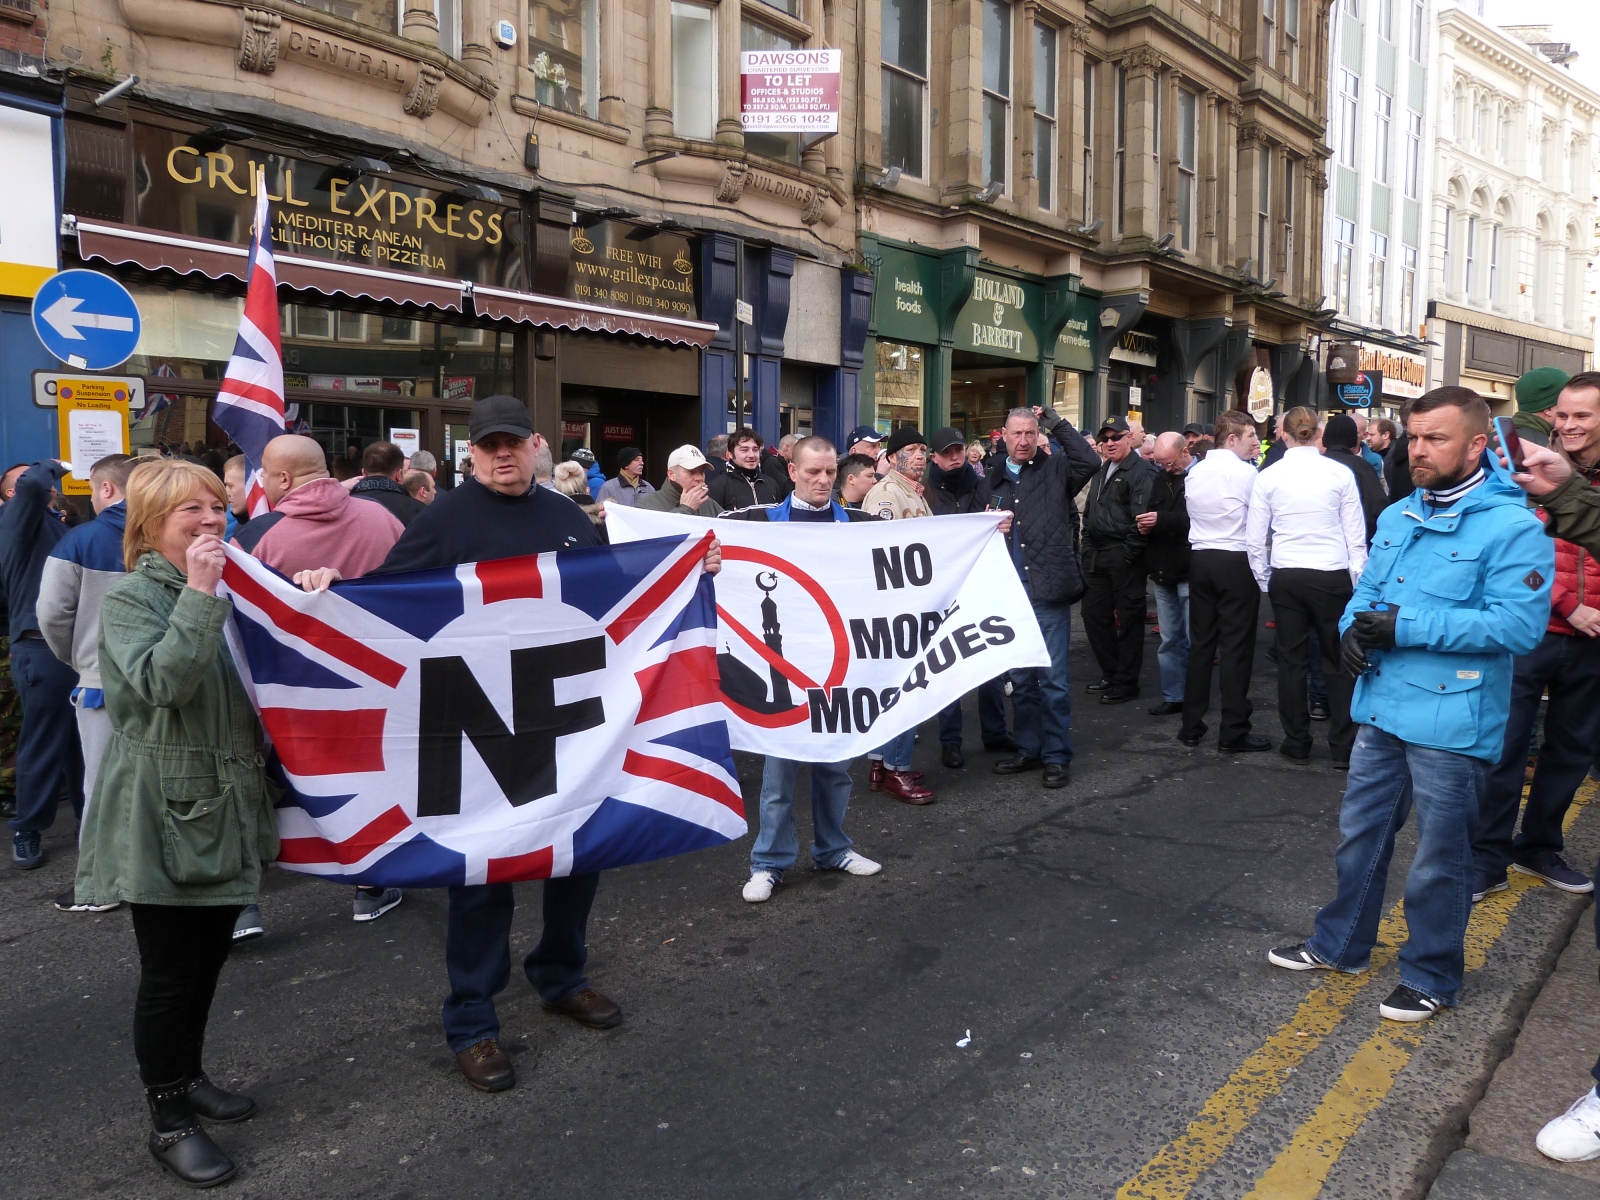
x: 957, y: 341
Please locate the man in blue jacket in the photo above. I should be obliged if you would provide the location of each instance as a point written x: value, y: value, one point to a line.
x: 1457, y: 583
x: 76, y: 577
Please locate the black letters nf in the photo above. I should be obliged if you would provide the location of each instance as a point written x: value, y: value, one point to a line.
x: 522, y: 759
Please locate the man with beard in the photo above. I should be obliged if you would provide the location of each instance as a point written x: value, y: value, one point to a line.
x: 1458, y: 582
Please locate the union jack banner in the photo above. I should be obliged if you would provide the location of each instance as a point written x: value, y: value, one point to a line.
x: 517, y: 719
x: 249, y: 406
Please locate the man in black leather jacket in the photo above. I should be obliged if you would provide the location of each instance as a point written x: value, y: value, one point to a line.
x: 741, y: 482
x: 1038, y: 489
x: 1114, y: 564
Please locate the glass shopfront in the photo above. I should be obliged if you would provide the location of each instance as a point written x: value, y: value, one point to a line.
x: 350, y: 376
x: 982, y: 391
x: 898, y: 386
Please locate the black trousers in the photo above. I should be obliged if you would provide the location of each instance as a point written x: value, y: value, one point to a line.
x: 1113, y: 615
x: 1224, y: 610
x: 181, y: 952
x: 1303, y: 601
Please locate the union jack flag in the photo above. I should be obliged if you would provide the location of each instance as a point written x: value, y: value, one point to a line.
x: 517, y: 719
x: 249, y: 406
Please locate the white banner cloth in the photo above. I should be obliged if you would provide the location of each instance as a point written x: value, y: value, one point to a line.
x: 833, y: 638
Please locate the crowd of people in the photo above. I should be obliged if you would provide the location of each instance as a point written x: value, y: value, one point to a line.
x: 1419, y: 612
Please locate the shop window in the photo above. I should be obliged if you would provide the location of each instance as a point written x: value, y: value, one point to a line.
x: 310, y: 323
x: 783, y: 146
x: 996, y: 90
x: 694, y: 70
x: 401, y: 330
x: 564, y: 54
x: 1044, y: 112
x: 898, y: 386
x: 905, y: 85
x: 1188, y: 140
x: 352, y: 327
x: 1067, y: 397
x: 375, y: 14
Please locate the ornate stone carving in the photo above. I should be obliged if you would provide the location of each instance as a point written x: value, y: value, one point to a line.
x: 423, y: 97
x: 812, y: 213
x: 258, y: 43
x: 1252, y: 134
x: 1235, y: 112
x: 731, y: 186
x: 1079, y: 33
x: 1142, y: 60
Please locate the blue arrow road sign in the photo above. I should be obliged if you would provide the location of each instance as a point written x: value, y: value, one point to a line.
x: 86, y: 319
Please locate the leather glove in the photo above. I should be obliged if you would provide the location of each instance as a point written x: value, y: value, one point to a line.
x: 1351, y: 656
x: 1374, y: 629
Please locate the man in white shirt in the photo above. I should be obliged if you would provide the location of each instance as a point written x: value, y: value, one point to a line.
x: 1224, y: 600
x: 1311, y: 509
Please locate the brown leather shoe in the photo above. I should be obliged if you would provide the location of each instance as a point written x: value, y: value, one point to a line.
x: 486, y: 1066
x: 590, y: 1008
x: 904, y: 787
x: 875, y: 775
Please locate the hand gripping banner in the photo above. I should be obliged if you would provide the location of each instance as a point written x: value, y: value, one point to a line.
x: 832, y: 638
x: 518, y: 719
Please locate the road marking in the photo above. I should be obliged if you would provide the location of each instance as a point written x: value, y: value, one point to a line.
x: 1301, y: 1168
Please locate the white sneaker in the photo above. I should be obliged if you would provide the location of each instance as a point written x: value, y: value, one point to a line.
x: 857, y: 864
x: 760, y: 886
x: 1574, y: 1136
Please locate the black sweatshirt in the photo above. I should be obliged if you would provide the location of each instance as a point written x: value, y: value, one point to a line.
x: 471, y: 523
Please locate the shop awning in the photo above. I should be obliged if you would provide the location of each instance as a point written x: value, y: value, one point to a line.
x: 156, y: 251
x: 569, y: 314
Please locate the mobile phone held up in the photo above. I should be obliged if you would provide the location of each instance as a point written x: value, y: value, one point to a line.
x: 1510, y: 442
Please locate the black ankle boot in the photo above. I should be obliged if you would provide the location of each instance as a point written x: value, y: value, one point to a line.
x: 211, y: 1102
x: 179, y: 1144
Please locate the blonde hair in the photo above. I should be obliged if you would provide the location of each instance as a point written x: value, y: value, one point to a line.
x: 157, y: 489
x: 571, y: 480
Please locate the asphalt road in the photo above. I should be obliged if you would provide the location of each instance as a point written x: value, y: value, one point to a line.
x: 1103, y: 946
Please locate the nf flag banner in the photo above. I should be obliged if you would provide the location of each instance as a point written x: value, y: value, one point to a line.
x: 517, y: 719
x: 833, y: 638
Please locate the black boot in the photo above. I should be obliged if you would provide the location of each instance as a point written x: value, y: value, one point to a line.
x: 179, y: 1144
x: 211, y: 1102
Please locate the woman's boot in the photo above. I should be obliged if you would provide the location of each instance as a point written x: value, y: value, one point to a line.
x: 211, y: 1102
x: 179, y: 1144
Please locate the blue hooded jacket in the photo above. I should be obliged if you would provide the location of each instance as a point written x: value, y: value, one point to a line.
x: 1473, y: 586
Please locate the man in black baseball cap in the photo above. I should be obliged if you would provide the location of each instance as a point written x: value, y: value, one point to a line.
x: 1114, y: 563
x: 864, y: 439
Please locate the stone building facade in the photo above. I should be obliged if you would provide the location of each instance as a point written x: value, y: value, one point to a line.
x: 1512, y: 226
x: 1113, y: 206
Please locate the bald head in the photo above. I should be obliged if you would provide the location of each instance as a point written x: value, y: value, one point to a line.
x: 1171, y: 453
x: 289, y: 461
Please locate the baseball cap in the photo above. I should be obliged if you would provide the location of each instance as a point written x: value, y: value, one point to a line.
x: 499, y: 414
x: 1114, y: 425
x: 863, y: 433
x: 583, y: 455
x: 903, y: 437
x: 946, y: 438
x: 1196, y: 428
x: 686, y: 458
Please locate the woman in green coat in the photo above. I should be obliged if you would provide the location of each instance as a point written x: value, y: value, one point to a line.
x: 182, y: 821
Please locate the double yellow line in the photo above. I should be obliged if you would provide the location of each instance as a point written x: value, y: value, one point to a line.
x: 1302, y: 1167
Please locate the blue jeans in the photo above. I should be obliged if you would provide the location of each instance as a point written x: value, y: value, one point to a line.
x: 991, y: 715
x: 1388, y: 777
x: 1570, y: 667
x: 776, y: 846
x: 896, y: 752
x: 1041, y: 697
x: 1172, y: 610
x: 49, y: 759
x: 477, y: 952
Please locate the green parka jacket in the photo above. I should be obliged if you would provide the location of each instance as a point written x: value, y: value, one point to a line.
x: 182, y: 811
